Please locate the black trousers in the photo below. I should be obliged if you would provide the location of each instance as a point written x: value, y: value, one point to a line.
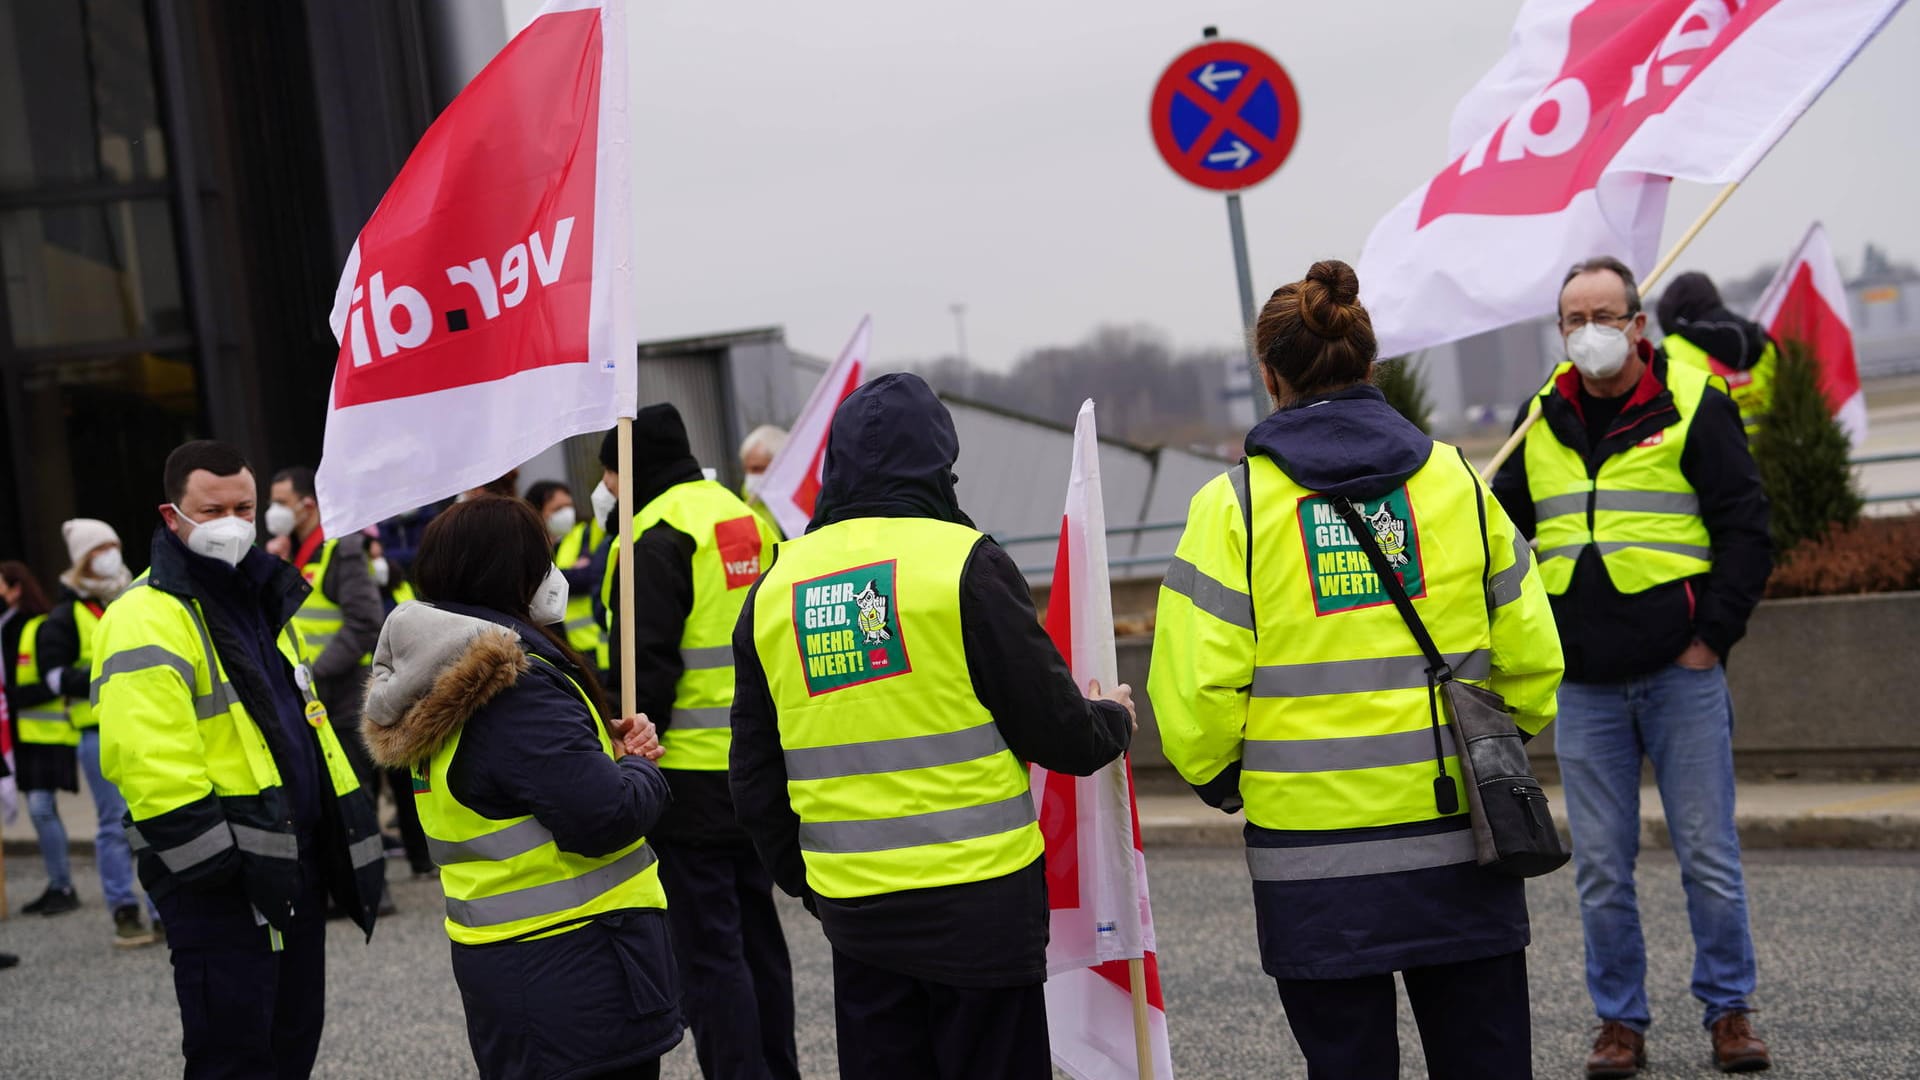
x: 891, y: 1026
x: 247, y: 1012
x: 1474, y: 1022
x: 735, y: 976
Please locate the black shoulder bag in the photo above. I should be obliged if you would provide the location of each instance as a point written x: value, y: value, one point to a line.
x: 1513, y: 831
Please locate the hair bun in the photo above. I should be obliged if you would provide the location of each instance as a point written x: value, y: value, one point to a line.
x: 1330, y: 299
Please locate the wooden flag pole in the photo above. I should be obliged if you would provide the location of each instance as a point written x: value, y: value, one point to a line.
x: 1142, y: 1025
x: 1659, y: 271
x: 623, y: 520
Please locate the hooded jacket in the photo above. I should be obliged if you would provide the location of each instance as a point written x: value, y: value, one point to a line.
x: 1351, y: 443
x: 1607, y: 635
x: 1692, y: 308
x: 890, y: 454
x: 702, y: 814
x: 591, y: 1000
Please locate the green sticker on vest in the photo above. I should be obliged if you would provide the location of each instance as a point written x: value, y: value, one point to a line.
x: 1342, y: 576
x: 421, y: 783
x: 848, y: 628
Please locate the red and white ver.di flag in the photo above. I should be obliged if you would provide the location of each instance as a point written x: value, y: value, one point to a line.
x: 1566, y: 149
x: 1096, y: 873
x: 485, y: 312
x: 792, y: 480
x: 1807, y: 302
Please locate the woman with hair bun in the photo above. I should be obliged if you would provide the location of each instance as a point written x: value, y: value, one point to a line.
x: 1285, y: 682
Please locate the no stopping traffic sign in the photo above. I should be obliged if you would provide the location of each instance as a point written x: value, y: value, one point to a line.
x: 1224, y: 115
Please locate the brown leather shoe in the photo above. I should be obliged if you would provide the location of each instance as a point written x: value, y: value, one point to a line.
x: 1736, y: 1048
x: 1618, y: 1052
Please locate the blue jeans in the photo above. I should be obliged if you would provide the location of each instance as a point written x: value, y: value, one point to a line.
x: 110, y: 847
x: 1682, y: 720
x: 45, y: 813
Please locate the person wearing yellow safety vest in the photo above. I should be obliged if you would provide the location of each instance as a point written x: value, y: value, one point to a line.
x: 696, y: 549
x: 1284, y: 681
x: 44, y: 738
x: 62, y: 660
x: 1638, y: 489
x: 1704, y: 335
x: 579, y: 550
x: 893, y: 685
x: 757, y: 452
x: 553, y: 899
x: 243, y: 811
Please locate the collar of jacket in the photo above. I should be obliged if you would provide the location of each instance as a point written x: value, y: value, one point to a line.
x: 1648, y: 409
x: 277, y: 585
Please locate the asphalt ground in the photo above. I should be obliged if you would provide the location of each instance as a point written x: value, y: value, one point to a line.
x: 1838, y: 939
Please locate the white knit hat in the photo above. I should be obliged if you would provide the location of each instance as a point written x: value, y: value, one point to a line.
x: 83, y: 535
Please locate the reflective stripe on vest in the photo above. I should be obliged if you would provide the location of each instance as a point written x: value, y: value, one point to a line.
x: 1751, y: 390
x: 899, y: 776
x: 1338, y: 733
x: 731, y: 545
x: 1361, y: 857
x: 507, y: 879
x: 1639, y: 513
x: 49, y: 723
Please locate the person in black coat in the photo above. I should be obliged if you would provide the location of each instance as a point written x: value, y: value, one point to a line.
x: 592, y: 990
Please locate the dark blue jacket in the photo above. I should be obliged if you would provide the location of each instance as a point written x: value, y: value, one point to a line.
x: 598, y: 999
x: 1352, y: 443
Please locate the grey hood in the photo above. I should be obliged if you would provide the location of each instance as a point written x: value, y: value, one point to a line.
x: 432, y: 670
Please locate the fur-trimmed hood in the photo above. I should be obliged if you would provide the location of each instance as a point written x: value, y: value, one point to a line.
x: 432, y: 670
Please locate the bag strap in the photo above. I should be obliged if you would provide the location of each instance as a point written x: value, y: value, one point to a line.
x: 1445, y: 797
x: 1437, y: 669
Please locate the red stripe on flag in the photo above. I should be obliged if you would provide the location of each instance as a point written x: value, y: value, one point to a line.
x: 1060, y: 800
x: 1807, y: 317
x: 809, y: 493
x: 1115, y: 972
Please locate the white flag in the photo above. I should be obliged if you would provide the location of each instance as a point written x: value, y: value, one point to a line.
x: 485, y: 311
x: 792, y: 481
x: 1566, y: 149
x: 1096, y: 872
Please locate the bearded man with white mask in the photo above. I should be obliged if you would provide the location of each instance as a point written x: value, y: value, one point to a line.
x: 243, y: 812
x: 1651, y: 527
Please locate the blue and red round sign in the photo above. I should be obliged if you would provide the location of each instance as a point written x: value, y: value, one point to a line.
x: 1225, y: 115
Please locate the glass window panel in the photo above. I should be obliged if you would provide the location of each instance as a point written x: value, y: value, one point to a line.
x: 79, y: 274
x: 77, y: 100
x: 100, y: 430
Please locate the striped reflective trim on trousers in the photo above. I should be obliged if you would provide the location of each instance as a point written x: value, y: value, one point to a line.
x: 1361, y: 676
x: 1503, y: 588
x: 553, y: 898
x: 1227, y: 604
x: 1361, y: 857
x: 1631, y: 502
x: 917, y: 830
x: 714, y: 656
x: 1608, y: 547
x: 1352, y: 752
x: 719, y: 716
x: 497, y: 846
x: 894, y: 755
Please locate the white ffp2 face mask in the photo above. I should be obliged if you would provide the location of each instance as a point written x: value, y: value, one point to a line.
x: 107, y: 564
x: 1598, y: 351
x: 279, y: 520
x: 560, y: 522
x: 382, y: 572
x: 549, y: 604
x: 227, y: 539
x: 604, y: 502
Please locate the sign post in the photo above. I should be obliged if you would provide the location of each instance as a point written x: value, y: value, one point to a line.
x: 1224, y: 117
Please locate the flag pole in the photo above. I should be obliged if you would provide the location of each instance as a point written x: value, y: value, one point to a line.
x: 629, y: 693
x: 1142, y: 1029
x: 1659, y: 271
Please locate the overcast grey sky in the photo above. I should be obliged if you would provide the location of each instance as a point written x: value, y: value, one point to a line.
x: 803, y: 164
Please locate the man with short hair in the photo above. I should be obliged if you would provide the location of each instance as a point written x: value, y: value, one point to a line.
x: 1651, y: 525
x: 243, y: 811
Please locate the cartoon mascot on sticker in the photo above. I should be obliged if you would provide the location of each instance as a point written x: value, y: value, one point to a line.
x: 1391, y: 533
x: 873, y: 616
